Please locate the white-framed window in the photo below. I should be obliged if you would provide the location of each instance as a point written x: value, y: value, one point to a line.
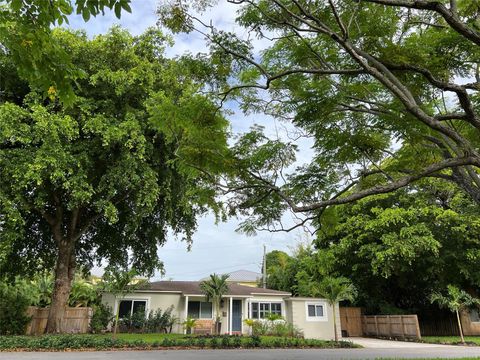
x: 200, y: 310
x: 261, y: 309
x: 128, y: 307
x: 316, y: 311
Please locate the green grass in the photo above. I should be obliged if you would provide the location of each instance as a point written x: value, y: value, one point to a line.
x: 450, y: 339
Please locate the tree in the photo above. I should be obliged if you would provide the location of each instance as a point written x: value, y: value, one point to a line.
x: 214, y: 289
x: 26, y: 34
x: 387, y: 90
x: 335, y: 290
x: 456, y: 300
x: 396, y: 248
x: 120, y: 282
x: 111, y: 175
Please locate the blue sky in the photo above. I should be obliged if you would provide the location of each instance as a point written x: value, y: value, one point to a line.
x: 216, y: 248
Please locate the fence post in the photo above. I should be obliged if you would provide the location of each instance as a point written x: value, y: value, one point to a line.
x: 403, y: 326
x: 376, y: 326
x: 417, y: 327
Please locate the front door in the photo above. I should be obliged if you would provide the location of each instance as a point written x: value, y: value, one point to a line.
x: 237, y: 315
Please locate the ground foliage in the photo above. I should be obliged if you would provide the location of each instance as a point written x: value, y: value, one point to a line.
x: 66, y: 342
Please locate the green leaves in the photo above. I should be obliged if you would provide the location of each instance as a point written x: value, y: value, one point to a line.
x: 136, y: 155
x: 455, y: 299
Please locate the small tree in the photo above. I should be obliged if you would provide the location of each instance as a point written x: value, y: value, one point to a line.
x: 455, y: 300
x: 214, y: 288
x: 335, y: 290
x: 120, y: 282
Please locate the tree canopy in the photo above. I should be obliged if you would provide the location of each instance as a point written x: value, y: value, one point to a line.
x: 387, y: 91
x: 112, y: 174
x: 25, y: 33
x: 396, y: 248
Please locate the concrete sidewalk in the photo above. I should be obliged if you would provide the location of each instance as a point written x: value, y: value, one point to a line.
x: 371, y: 343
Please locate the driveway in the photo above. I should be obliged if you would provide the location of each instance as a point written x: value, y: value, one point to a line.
x: 274, y: 354
x: 371, y: 343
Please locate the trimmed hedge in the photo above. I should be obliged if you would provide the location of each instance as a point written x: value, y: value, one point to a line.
x: 64, y: 342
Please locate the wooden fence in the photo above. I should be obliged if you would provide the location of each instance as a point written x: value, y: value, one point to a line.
x: 76, y: 320
x: 351, y: 321
x: 401, y: 326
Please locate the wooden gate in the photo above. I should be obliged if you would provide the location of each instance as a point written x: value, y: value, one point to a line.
x: 351, y: 321
x: 396, y: 326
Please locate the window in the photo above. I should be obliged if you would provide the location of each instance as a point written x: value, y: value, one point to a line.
x: 200, y: 310
x: 316, y: 311
x: 127, y: 308
x: 260, y: 310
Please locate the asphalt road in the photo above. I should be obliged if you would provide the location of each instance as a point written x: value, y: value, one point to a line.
x: 280, y: 354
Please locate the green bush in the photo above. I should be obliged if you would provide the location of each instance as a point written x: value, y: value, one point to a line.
x: 64, y: 342
x: 237, y: 341
x: 102, y: 316
x: 13, y: 307
x: 225, y: 341
x: 201, y: 342
x: 214, y: 343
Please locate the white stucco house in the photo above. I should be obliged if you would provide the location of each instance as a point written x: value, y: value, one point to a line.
x: 311, y: 315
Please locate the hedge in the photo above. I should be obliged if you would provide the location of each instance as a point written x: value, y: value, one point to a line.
x: 66, y: 342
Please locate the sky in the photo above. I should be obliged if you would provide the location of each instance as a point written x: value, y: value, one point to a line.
x: 216, y: 247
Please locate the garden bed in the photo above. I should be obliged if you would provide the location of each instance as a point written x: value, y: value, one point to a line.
x: 158, y: 341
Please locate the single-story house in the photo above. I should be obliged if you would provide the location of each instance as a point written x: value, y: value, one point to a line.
x: 311, y: 315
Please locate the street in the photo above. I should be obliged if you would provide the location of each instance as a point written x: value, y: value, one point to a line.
x: 267, y: 354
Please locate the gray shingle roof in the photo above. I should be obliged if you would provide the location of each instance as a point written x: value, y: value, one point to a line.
x: 193, y: 288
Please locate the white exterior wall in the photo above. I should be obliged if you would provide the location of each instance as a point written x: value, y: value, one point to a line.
x: 313, y: 328
x: 154, y: 301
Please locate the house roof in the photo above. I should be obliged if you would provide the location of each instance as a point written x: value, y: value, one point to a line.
x: 242, y: 276
x: 193, y: 288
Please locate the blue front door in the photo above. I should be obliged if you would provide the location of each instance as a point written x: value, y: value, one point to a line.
x: 237, y: 315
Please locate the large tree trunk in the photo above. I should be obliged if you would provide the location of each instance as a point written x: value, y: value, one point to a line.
x: 64, y: 275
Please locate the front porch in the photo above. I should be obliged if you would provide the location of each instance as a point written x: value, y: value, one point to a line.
x: 233, y: 311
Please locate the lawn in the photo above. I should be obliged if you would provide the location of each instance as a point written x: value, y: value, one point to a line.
x: 450, y: 339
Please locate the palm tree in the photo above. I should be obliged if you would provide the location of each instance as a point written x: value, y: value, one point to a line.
x: 455, y: 300
x: 120, y: 282
x: 335, y: 290
x: 213, y: 289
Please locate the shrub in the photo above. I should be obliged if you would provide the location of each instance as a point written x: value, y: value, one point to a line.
x: 63, y: 342
x: 214, y: 343
x: 225, y: 341
x: 102, y: 315
x: 201, y: 342
x: 13, y: 307
x: 237, y: 341
x: 275, y: 327
x: 255, y: 340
